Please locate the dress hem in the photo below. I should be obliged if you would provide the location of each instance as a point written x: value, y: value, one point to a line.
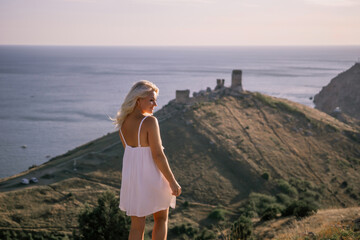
x: 143, y: 215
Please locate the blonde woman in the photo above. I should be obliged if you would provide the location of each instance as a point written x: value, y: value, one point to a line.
x: 148, y: 185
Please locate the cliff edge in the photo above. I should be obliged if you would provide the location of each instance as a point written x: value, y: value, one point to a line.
x: 342, y: 94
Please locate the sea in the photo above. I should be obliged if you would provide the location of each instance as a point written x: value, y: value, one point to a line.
x: 55, y: 98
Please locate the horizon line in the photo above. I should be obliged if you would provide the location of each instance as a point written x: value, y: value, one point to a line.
x: 274, y: 45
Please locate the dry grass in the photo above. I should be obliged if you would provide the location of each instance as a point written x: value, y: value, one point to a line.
x: 322, y: 225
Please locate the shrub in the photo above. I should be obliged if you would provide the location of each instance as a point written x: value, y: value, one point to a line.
x: 270, y: 213
x: 242, y: 228
x: 344, y: 184
x: 187, y: 230
x: 217, y: 214
x: 353, y: 195
x: 105, y: 221
x: 301, y: 185
x: 266, y: 176
x: 257, y: 204
x: 300, y: 209
x: 247, y: 211
x: 205, y: 235
x: 349, y: 190
x: 283, y: 199
x: 260, y: 198
x: 184, y: 229
x: 286, y: 188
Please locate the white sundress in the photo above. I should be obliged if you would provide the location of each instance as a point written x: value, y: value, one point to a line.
x: 144, y: 189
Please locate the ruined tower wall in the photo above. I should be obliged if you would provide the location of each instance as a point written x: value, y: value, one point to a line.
x: 236, y: 80
x: 182, y: 96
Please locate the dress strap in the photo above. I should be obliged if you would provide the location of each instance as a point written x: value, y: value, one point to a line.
x: 123, y: 136
x: 140, y: 129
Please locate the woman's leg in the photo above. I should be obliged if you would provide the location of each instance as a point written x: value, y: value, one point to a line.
x: 160, y: 226
x: 137, y: 228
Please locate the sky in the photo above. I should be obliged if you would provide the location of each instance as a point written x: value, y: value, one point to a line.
x: 180, y: 22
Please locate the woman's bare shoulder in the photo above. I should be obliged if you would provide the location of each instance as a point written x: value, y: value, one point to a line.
x: 151, y: 122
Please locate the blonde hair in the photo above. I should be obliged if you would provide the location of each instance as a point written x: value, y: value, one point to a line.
x: 140, y: 89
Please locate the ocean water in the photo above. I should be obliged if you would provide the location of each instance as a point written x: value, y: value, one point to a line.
x: 53, y: 99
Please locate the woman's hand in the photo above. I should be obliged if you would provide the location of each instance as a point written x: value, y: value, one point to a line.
x: 176, y: 189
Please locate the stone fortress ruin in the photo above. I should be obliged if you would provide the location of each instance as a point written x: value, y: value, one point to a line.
x: 183, y: 96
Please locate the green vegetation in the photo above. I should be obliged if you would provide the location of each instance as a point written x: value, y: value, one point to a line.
x: 261, y: 205
x: 217, y: 214
x: 283, y: 199
x: 242, y: 228
x: 286, y: 188
x: 187, y: 231
x: 270, y: 213
x: 300, y: 209
x: 105, y: 221
x: 294, y: 198
x: 265, y: 175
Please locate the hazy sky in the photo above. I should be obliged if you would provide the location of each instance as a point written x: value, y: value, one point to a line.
x: 180, y: 22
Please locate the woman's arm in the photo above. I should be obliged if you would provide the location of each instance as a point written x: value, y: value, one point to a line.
x: 159, y: 156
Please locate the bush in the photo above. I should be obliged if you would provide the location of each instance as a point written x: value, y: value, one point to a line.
x: 217, y: 214
x: 266, y: 176
x: 344, y: 184
x: 300, y: 209
x: 311, y: 195
x: 270, y: 213
x: 193, y: 233
x: 286, y: 188
x: 205, y: 235
x: 301, y: 185
x: 259, y: 202
x: 349, y: 190
x: 242, y: 228
x: 184, y: 229
x: 105, y: 221
x: 283, y: 199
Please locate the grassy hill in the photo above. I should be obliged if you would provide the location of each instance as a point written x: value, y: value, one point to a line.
x: 221, y: 150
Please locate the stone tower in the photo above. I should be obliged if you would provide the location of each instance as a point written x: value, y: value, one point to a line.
x: 236, y: 80
x: 182, y: 96
x: 219, y: 83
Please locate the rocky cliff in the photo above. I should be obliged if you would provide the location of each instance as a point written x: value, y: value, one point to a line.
x: 342, y: 94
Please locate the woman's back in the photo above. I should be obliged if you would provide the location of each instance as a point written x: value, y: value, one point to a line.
x: 130, y: 131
